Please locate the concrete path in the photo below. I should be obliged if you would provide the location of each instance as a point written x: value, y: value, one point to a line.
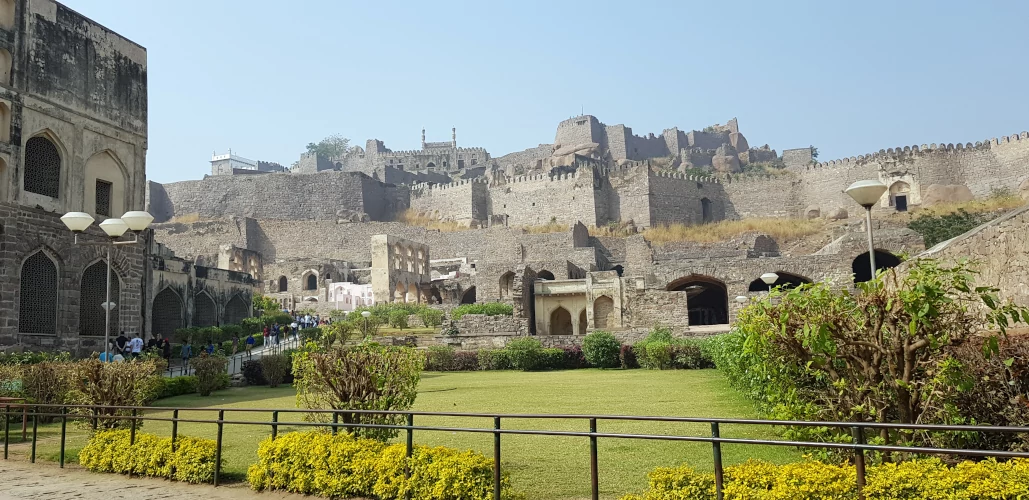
x: 22, y: 480
x: 236, y: 361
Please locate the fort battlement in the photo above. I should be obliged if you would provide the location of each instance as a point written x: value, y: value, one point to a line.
x: 900, y: 153
x: 416, y: 152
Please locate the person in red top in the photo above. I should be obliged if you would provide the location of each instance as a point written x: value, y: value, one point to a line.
x: 266, y: 332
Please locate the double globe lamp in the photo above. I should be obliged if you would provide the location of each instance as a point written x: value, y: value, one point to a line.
x: 136, y: 221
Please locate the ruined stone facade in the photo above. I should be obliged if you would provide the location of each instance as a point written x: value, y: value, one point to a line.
x: 73, y: 132
x: 400, y: 269
x: 433, y: 162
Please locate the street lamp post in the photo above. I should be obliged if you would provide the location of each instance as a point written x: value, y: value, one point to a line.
x: 769, y: 279
x: 366, y: 315
x: 136, y: 221
x: 867, y: 194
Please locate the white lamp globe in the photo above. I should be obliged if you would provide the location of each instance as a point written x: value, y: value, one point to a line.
x: 137, y: 220
x: 866, y: 193
x: 114, y: 227
x: 742, y: 299
x: 769, y: 278
x: 77, y: 221
x: 366, y: 314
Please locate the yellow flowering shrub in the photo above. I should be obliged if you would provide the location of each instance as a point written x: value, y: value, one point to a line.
x: 150, y: 455
x: 924, y: 479
x: 343, y: 466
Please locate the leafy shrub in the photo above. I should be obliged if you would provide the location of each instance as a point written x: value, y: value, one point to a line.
x: 111, y: 451
x: 207, y: 370
x: 31, y: 358
x: 488, y: 309
x: 311, y: 334
x: 601, y: 349
x: 466, y: 361
x: 553, y: 359
x: 813, y: 480
x: 494, y: 359
x: 526, y: 354
x: 10, y: 381
x: 342, y: 466
x: 364, y: 377
x: 627, y: 357
x: 938, y: 228
x: 253, y: 374
x: 46, y: 382
x: 573, y: 358
x: 431, y: 317
x: 661, y: 350
x: 439, y: 358
x: 274, y: 368
x: 398, y: 319
x: 178, y: 386
x: 107, y: 385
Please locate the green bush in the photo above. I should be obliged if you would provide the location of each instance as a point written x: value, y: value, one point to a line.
x: 601, y: 349
x: 275, y: 367
x: 662, y: 351
x: 494, y: 359
x: 178, y: 386
x: 439, y: 358
x: 31, y: 358
x: 311, y: 334
x: 489, y: 309
x: 398, y: 319
x: 364, y: 377
x: 46, y: 382
x: 110, y: 451
x: 342, y: 466
x: 209, y: 371
x: 431, y: 317
x: 108, y: 385
x: 813, y: 480
x: 526, y: 354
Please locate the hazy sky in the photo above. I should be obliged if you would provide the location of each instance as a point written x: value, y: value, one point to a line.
x: 267, y: 77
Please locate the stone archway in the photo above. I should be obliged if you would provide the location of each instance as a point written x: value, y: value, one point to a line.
x: 707, y: 299
x: 603, y: 312
x: 561, y: 322
x: 166, y: 315
x: 468, y: 297
x: 862, y: 267
x: 506, y: 285
x: 583, y: 322
x: 786, y: 281
x: 545, y: 275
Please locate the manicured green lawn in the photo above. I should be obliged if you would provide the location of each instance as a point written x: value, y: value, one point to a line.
x: 543, y: 467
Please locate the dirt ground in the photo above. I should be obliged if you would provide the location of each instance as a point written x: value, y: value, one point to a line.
x: 20, y: 480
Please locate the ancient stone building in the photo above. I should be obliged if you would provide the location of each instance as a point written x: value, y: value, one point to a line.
x: 444, y: 158
x: 400, y: 269
x: 73, y: 137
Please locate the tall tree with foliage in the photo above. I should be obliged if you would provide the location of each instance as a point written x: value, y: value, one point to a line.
x: 334, y: 146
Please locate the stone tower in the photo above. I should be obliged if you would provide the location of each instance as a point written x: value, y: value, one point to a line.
x: 453, y: 137
x: 423, y: 138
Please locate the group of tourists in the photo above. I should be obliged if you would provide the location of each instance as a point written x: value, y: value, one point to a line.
x: 123, y: 348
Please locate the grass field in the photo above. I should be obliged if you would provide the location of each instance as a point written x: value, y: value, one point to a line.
x: 543, y: 467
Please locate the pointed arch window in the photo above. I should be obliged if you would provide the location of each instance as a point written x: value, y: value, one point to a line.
x: 42, y: 167
x: 37, y: 310
x: 92, y: 295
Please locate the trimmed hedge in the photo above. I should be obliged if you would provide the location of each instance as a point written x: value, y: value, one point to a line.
x: 489, y: 309
x: 342, y: 466
x: 110, y: 451
x: 178, y: 386
x: 811, y: 480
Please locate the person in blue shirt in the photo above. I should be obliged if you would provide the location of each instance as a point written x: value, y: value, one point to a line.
x: 210, y: 348
x: 187, y: 352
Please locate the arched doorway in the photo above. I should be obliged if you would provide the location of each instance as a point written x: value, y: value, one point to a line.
x: 545, y: 275
x: 311, y: 282
x: 561, y: 322
x: 705, y: 210
x: 236, y: 310
x: 603, y: 312
x: 506, y: 285
x: 862, y: 267
x: 204, y: 312
x: 166, y: 316
x: 899, y: 195
x: 468, y: 297
x: 283, y: 284
x: 436, y: 297
x: 786, y: 281
x: 583, y: 323
x: 92, y: 295
x: 707, y: 299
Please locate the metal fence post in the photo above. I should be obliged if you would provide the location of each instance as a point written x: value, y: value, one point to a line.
x: 335, y: 421
x: 275, y: 428
x: 175, y: 428
x: 218, y: 447
x: 64, y: 431
x: 594, y: 473
x: 716, y: 448
x: 35, y: 425
x: 132, y: 429
x: 496, y: 458
x: 859, y: 460
x: 410, y: 449
x: 7, y: 428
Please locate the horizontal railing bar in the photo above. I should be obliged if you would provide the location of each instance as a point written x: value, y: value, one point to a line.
x: 626, y: 418
x: 659, y: 437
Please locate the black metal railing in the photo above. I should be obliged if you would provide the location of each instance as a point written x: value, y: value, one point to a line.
x: 858, y: 447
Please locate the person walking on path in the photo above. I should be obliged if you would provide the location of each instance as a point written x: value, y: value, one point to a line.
x: 187, y: 352
x: 136, y: 346
x: 250, y: 345
x: 235, y: 344
x: 166, y: 351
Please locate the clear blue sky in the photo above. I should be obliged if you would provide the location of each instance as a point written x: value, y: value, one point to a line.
x: 267, y: 77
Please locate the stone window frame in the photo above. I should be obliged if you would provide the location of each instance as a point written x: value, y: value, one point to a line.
x: 105, y: 188
x: 43, y: 179
x: 56, y: 294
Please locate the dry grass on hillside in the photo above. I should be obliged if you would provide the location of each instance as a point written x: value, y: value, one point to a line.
x: 995, y: 203
x: 411, y: 218
x: 783, y: 230
x: 550, y: 227
x: 186, y: 218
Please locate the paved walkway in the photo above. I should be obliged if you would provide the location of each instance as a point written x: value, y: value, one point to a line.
x: 19, y: 480
x: 236, y: 361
